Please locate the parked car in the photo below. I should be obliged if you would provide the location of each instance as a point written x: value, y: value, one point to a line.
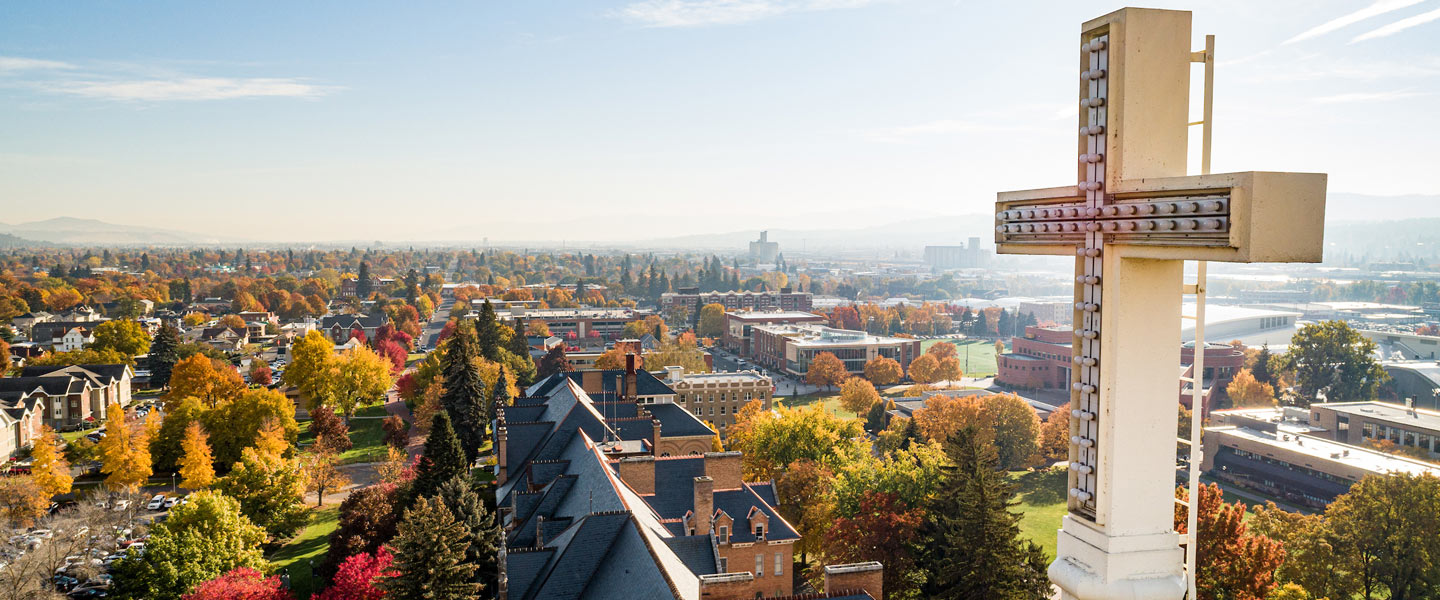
x: 156, y: 503
x: 171, y: 502
x: 121, y: 505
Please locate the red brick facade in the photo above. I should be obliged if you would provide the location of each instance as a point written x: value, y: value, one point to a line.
x: 1038, y: 360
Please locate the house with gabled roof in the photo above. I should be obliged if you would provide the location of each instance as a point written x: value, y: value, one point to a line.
x: 597, y: 501
x: 21, y: 418
x: 338, y: 327
x: 69, y: 395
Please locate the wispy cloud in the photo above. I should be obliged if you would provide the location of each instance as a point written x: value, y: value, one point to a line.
x: 1010, y: 119
x: 1367, y: 97
x: 696, y: 13
x: 1374, y: 10
x: 193, y: 88
x: 1399, y: 26
x: 16, y: 63
x: 135, y: 82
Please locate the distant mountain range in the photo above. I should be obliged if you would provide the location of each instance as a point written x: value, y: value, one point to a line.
x: 75, y: 231
x: 1346, y: 214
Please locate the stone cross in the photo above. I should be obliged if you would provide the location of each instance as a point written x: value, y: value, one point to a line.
x: 1131, y: 221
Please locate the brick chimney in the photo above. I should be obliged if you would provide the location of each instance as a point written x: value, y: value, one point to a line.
x: 867, y: 576
x: 638, y: 472
x: 655, y: 441
x: 631, y: 384
x: 724, y: 468
x: 726, y: 586
x: 500, y: 444
x: 704, y: 504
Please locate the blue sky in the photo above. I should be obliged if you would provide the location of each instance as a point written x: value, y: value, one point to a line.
x: 641, y: 119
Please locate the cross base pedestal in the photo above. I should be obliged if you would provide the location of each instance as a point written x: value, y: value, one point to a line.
x: 1095, y: 566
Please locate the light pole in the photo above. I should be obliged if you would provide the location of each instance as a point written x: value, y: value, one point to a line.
x: 173, y: 489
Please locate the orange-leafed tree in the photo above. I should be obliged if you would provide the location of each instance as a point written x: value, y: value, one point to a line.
x: 1246, y: 391
x: 883, y: 371
x: 827, y: 370
x: 925, y: 369
x: 1232, y: 562
x: 1055, y: 434
x: 210, y: 381
x: 197, y: 468
x: 943, y: 350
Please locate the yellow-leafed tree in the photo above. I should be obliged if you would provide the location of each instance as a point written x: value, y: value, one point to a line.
x: 124, y: 451
x: 272, y: 443
x: 201, y: 377
x: 197, y: 468
x: 857, y: 395
x: 51, y: 472
x: 827, y: 370
x: 1245, y: 390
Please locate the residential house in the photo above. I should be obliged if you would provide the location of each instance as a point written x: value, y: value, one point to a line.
x: 338, y: 327
x: 24, y: 322
x: 225, y: 339
x: 71, y: 395
x: 21, y: 416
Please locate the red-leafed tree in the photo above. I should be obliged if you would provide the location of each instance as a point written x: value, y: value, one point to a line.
x: 446, y: 331
x: 392, y: 351
x: 260, y: 374
x: 358, y: 335
x: 883, y: 530
x: 407, y: 386
x: 240, y: 584
x: 355, y: 579
x: 1233, y: 562
x: 397, y: 434
x: 329, y: 430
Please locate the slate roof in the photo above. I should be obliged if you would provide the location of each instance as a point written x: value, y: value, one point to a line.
x: 675, y: 421
x: 697, y: 551
x: 674, y: 498
x: 646, y: 384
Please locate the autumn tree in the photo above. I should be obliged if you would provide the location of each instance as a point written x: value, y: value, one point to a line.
x: 366, y: 522
x: 197, y: 469
x: 310, y: 361
x: 124, y: 451
x: 857, y: 395
x: 611, y: 359
x: 199, y: 540
x: 260, y: 373
x: 1316, y: 558
x: 1386, y: 527
x: 970, y: 544
x: 1055, y: 434
x: 925, y: 369
x: 323, y: 473
x: 357, y: 378
x: 807, y: 502
x: 237, y: 424
x: 210, y: 381
x: 554, y: 362
x: 771, y: 441
x: 883, y: 529
x: 329, y: 430
x: 1232, y: 562
x: 942, y: 350
x: 243, y: 583
x: 883, y: 371
x: 429, y: 554
x: 1245, y: 391
x: 1003, y: 419
x: 48, y: 467
x: 1332, y: 358
x: 22, y: 501
x: 711, y: 321
x: 397, y: 433
x: 356, y: 577
x: 121, y: 335
x: 270, y: 491
x: 827, y: 370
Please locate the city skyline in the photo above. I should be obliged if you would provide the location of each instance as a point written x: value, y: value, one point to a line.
x: 817, y: 113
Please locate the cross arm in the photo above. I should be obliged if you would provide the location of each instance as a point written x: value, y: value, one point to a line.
x: 1253, y: 216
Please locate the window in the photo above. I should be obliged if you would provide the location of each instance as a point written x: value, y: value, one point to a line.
x: 724, y: 565
x: 723, y: 533
x: 759, y: 565
x: 759, y: 530
x: 779, y: 563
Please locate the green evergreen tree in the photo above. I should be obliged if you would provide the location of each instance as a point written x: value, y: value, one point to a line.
x: 1262, y: 371
x: 519, y: 361
x: 429, y: 555
x: 442, y: 459
x: 483, y: 531
x: 363, y: 285
x: 969, y: 543
x: 501, y: 396
x: 487, y: 333
x: 164, y: 353
x: 464, y: 397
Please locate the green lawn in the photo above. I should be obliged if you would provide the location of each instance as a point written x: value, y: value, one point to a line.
x: 830, y: 400
x: 366, y: 436
x: 1042, y: 504
x: 374, y: 410
x: 308, y: 547
x: 981, y: 355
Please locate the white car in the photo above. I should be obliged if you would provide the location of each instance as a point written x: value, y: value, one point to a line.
x: 171, y: 502
x: 121, y: 505
x: 156, y: 503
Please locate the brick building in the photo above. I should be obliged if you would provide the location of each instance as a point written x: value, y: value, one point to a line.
x: 738, y: 325
x: 717, y: 397
x: 692, y: 299
x: 574, y: 323
x: 1039, y: 360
